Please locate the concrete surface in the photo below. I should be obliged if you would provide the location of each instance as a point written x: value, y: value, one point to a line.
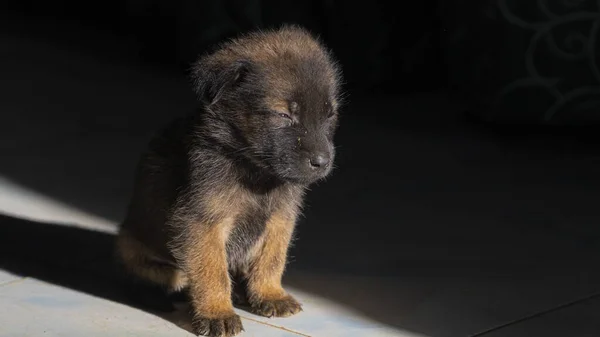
x: 447, y: 231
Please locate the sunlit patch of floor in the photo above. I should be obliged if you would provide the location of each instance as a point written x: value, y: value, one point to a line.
x: 24, y: 203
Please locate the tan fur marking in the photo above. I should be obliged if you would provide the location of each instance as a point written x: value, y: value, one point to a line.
x: 277, y: 105
x: 207, y: 269
x: 266, y: 271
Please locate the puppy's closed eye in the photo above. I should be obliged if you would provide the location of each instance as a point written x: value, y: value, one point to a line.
x: 283, y: 119
x: 284, y: 115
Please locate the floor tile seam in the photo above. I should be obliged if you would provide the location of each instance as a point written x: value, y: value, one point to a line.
x: 537, y: 314
x: 279, y: 327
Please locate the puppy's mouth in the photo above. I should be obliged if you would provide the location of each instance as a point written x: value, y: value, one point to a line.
x: 302, y: 180
x: 301, y: 175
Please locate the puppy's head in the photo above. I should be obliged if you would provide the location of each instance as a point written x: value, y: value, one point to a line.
x: 275, y: 96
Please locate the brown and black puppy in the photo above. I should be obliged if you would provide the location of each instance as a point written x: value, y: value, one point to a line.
x: 218, y: 193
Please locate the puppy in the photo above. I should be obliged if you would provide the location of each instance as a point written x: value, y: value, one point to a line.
x: 218, y: 192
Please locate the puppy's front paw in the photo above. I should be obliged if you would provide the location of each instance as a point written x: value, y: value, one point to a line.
x: 218, y: 327
x: 281, y: 307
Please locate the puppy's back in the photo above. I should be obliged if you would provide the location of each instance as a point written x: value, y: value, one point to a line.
x: 161, y: 172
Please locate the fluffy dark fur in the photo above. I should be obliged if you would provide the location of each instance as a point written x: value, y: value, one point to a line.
x: 218, y: 193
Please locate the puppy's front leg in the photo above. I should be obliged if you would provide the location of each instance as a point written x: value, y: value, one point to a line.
x: 205, y: 260
x: 265, y: 292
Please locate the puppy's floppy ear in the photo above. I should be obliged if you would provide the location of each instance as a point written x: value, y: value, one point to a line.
x: 213, y: 76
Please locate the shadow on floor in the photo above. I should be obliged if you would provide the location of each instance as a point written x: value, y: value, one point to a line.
x: 75, y: 258
x: 81, y: 259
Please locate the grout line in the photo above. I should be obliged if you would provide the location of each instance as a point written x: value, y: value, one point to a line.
x: 537, y: 314
x: 9, y: 283
x: 275, y: 326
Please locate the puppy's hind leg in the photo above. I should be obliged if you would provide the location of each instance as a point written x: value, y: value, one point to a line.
x: 149, y: 279
x: 140, y: 262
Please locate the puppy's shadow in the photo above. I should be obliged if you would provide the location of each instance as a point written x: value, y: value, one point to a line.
x: 82, y: 260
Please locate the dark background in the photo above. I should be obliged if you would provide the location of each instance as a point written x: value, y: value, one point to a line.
x: 468, y: 153
x: 382, y: 48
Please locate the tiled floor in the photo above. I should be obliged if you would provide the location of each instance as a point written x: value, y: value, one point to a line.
x: 30, y: 306
x: 451, y: 233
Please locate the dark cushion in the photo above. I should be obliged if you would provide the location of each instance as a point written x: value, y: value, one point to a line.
x: 533, y: 61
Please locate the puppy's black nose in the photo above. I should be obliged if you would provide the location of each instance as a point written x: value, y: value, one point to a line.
x: 319, y: 160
